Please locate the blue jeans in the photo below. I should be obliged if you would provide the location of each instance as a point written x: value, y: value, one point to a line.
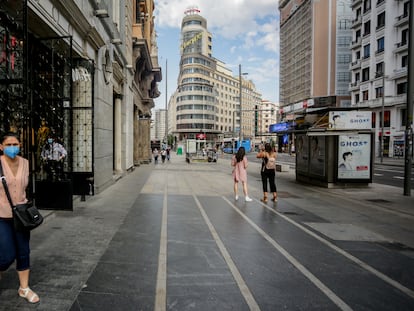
x: 14, y: 245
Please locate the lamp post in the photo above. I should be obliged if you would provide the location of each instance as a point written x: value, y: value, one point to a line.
x: 240, y: 102
x: 382, y: 117
x: 408, y: 150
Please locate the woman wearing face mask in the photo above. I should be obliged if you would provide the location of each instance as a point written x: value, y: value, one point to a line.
x: 14, y: 245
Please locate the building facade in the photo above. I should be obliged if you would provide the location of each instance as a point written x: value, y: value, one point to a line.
x: 207, y: 100
x: 379, y: 68
x: 160, y: 124
x: 266, y: 115
x: 91, y: 85
x: 314, y: 55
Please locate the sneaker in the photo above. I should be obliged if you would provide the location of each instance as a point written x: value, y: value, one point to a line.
x: 248, y: 199
x: 236, y: 197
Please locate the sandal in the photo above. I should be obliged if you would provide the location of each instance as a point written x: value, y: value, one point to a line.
x: 28, y: 294
x: 264, y: 200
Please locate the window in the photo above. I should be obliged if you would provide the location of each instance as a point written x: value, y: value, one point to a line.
x: 387, y: 115
x: 365, y: 95
x: 404, y: 61
x: 357, y: 77
x: 365, y: 74
x: 381, y: 20
x: 344, y: 59
x: 379, y: 92
x: 379, y: 70
x: 367, y: 28
x: 380, y: 45
x: 404, y: 37
x: 403, y: 114
x: 366, y: 51
x: 357, y: 34
x: 367, y: 5
x: 358, y: 55
x: 344, y: 41
x: 356, y: 98
x: 402, y: 88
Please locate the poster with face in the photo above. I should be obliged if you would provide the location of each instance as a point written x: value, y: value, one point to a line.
x: 354, y: 156
x: 302, y: 152
x: 317, y: 155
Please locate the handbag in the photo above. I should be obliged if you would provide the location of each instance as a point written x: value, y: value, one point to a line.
x: 26, y: 216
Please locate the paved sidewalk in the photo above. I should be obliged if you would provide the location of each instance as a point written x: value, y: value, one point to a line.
x: 105, y: 254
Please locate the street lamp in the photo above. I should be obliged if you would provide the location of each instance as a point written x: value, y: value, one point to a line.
x: 240, y: 102
x: 382, y: 114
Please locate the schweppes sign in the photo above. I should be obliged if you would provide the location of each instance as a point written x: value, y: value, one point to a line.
x: 192, y: 40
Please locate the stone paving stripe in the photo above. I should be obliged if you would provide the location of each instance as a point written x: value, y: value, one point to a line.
x: 245, y: 291
x: 161, y: 287
x: 318, y: 283
x: 359, y: 262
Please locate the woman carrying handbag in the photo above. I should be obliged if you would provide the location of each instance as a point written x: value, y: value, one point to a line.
x: 14, y: 245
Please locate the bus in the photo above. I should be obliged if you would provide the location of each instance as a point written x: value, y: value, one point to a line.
x: 231, y: 145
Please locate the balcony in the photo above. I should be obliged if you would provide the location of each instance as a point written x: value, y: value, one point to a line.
x: 355, y: 64
x: 401, y: 20
x: 399, y: 73
x: 354, y: 86
x: 356, y: 22
x: 356, y: 43
x: 356, y: 3
x: 401, y: 47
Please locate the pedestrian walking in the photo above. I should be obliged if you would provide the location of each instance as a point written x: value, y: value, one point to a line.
x: 155, y: 154
x: 163, y: 155
x: 268, y: 171
x: 168, y: 154
x: 239, y: 162
x: 14, y: 245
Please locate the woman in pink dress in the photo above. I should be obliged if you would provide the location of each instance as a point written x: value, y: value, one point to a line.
x: 239, y: 161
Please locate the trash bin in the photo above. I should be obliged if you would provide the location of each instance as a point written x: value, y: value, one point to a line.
x: 179, y: 151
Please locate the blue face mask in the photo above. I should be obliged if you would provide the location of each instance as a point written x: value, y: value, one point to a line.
x: 50, y: 140
x: 11, y: 151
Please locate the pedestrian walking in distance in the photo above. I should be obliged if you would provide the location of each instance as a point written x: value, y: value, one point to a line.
x: 239, y: 162
x: 268, y: 171
x: 14, y: 245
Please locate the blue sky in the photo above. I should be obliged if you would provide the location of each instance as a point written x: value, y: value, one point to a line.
x: 244, y: 32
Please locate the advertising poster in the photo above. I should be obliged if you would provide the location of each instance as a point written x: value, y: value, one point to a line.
x: 302, y: 152
x: 350, y: 120
x: 354, y: 156
x: 317, y: 155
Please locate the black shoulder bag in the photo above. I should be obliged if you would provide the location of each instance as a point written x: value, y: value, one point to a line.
x: 26, y: 216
